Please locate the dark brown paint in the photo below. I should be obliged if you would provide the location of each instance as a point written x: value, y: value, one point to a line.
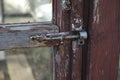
x: 76, y: 14
x: 63, y: 52
x: 103, y: 48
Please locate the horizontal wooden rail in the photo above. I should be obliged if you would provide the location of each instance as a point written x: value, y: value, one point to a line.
x: 14, y: 36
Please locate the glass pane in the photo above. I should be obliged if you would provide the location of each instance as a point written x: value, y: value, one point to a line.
x: 27, y: 10
x: 27, y: 64
x: 119, y: 70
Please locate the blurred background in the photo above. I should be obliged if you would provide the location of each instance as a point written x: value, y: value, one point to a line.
x: 26, y: 64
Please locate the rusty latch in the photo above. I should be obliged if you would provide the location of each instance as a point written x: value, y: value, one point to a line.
x: 61, y: 37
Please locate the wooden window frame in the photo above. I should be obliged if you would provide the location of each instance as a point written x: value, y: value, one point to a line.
x: 97, y: 59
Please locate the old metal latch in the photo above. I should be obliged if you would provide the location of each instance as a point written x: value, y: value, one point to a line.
x: 61, y: 37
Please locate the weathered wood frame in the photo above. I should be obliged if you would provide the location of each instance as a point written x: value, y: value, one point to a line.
x: 13, y: 36
x: 96, y: 60
x: 103, y: 42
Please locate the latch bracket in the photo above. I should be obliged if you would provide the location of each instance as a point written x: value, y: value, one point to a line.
x: 61, y: 37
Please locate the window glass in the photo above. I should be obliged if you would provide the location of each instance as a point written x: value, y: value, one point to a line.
x: 27, y: 10
x: 26, y: 64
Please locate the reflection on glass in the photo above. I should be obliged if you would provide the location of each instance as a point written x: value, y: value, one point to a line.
x: 26, y: 64
x: 28, y: 10
x: 119, y: 70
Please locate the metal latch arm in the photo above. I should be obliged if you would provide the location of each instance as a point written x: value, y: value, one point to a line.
x: 60, y: 36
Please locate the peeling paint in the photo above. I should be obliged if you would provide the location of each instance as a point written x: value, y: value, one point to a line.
x: 102, y: 72
x: 74, y: 46
x: 77, y: 20
x: 91, y: 66
x: 106, y: 53
x: 73, y: 75
x: 96, y: 17
x: 77, y: 24
x: 58, y: 59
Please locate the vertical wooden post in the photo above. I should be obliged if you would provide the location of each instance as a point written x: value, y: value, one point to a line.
x: 63, y: 52
x: 77, y: 21
x: 103, y: 47
x: 68, y: 57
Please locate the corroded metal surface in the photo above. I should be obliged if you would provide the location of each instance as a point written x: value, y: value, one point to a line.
x: 18, y: 35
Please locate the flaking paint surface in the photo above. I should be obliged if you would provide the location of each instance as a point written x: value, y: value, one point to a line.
x: 96, y: 16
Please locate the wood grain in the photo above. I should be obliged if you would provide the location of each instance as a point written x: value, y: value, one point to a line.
x: 1, y: 11
x: 77, y: 21
x: 103, y: 47
x: 14, y: 36
x: 62, y: 56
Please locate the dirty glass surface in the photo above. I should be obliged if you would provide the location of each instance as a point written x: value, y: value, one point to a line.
x: 27, y: 10
x: 32, y: 63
